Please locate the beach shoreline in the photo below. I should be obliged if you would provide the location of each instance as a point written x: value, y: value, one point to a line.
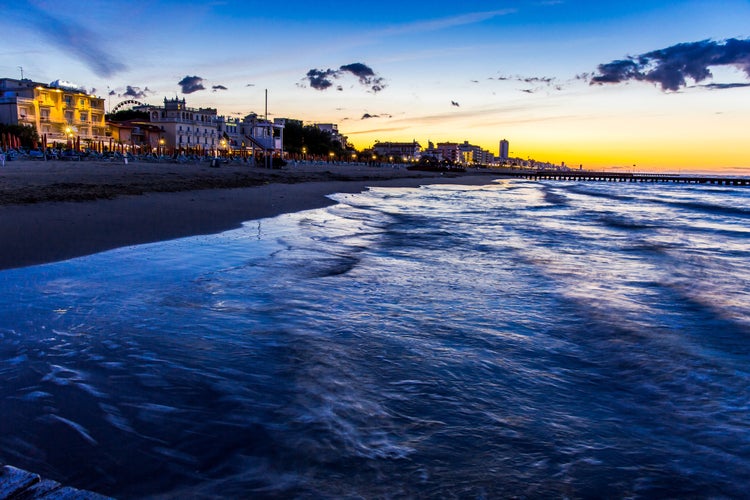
x: 54, y: 211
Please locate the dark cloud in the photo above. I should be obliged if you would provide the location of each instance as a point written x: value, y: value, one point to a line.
x: 112, y: 92
x: 536, y: 79
x: 323, y: 79
x: 135, y: 92
x: 454, y: 103
x: 250, y: 85
x: 191, y: 84
x: 366, y: 75
x: 381, y: 115
x: 723, y: 86
x: 671, y: 67
x: 218, y: 87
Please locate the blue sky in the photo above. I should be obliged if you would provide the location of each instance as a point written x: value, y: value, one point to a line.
x: 476, y: 71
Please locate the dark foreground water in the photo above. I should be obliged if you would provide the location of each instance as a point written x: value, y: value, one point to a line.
x: 528, y: 339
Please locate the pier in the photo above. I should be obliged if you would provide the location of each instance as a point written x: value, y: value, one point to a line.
x: 17, y: 484
x: 582, y: 175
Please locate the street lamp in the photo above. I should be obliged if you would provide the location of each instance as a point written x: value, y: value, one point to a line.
x: 161, y: 146
x: 304, y: 152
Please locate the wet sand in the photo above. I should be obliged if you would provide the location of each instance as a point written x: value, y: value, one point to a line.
x: 52, y: 211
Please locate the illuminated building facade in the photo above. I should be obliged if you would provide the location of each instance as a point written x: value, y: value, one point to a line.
x: 186, y: 129
x: 60, y: 110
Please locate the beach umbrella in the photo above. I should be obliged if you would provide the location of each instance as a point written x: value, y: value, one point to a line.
x: 78, y: 143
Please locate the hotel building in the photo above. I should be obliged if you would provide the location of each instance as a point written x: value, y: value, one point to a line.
x: 60, y: 110
x: 183, y: 128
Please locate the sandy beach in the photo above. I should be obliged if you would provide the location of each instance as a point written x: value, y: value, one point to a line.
x: 52, y: 211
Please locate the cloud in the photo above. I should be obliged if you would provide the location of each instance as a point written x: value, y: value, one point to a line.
x: 112, y: 92
x: 218, y: 87
x: 671, y: 67
x: 323, y: 79
x: 445, y: 22
x: 454, y: 103
x: 365, y: 74
x: 368, y: 115
x: 191, y: 84
x: 135, y: 92
x: 540, y: 82
x: 724, y: 86
x: 72, y: 38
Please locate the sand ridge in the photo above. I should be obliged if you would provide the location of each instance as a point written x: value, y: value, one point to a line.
x: 52, y: 211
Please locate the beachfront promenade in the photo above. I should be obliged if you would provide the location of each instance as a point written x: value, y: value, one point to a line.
x: 582, y: 175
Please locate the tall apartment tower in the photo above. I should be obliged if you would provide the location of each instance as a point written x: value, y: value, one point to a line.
x: 504, y: 149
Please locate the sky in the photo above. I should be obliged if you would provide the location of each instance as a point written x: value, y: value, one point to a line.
x: 637, y: 85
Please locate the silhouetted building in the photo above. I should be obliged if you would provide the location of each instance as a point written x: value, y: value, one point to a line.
x: 504, y: 149
x: 405, y: 151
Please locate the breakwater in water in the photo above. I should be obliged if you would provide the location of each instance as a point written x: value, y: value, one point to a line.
x: 580, y: 175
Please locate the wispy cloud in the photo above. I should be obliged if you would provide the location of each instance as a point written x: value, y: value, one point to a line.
x: 538, y: 82
x: 443, y: 22
x: 71, y: 37
x: 671, y: 67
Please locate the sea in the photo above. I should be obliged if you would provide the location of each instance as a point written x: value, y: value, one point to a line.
x: 532, y: 339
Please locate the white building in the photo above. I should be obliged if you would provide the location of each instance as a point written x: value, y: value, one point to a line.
x: 186, y: 129
x: 251, y: 134
x: 202, y: 131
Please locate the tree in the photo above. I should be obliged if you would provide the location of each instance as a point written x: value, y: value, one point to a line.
x: 127, y: 114
x: 310, y: 137
x: 26, y: 133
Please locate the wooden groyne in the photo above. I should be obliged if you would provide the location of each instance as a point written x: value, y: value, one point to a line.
x: 581, y: 175
x: 17, y: 484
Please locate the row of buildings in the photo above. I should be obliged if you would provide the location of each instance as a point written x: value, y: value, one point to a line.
x: 62, y: 113
x: 454, y: 152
